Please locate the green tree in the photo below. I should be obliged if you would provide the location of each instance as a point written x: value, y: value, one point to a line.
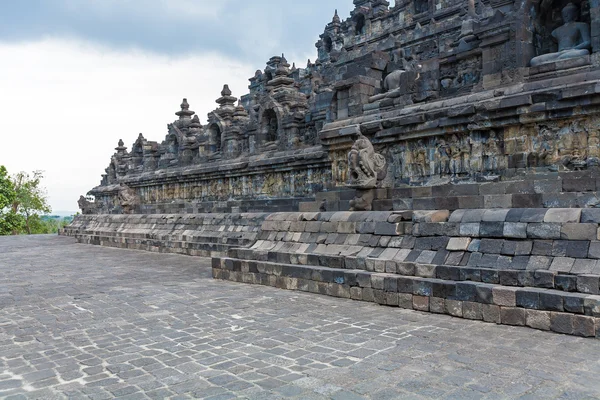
x: 30, y: 200
x: 9, y: 221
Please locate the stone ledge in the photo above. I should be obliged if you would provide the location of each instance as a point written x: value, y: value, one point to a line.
x: 544, y: 309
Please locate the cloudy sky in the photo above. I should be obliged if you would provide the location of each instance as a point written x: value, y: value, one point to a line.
x: 78, y: 75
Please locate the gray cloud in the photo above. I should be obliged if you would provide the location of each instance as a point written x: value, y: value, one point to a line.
x: 247, y: 31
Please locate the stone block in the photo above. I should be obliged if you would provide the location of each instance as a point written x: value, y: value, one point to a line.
x: 594, y: 250
x: 470, y: 229
x: 431, y: 216
x: 379, y: 296
x: 509, y: 278
x: 470, y: 202
x: 559, y: 248
x: 567, y: 283
x: 561, y: 323
x: 562, y: 264
x: 550, y: 301
x: 538, y: 319
x: 528, y: 298
x: 527, y: 201
x: 472, y: 310
x: 462, y: 244
x: 539, y: 262
x: 547, y: 186
x: 490, y: 313
x: 377, y: 282
x: 405, y: 300
x: 497, y: 201
x: 512, y: 316
x: 495, y: 215
x: 457, y: 216
x: 515, y: 230
x: 533, y: 215
x: 427, y: 203
x: 574, y: 303
x: 578, y: 231
x: 584, y: 326
x: 563, y: 215
x: 543, y: 230
x: 514, y: 215
x: 544, y: 279
x: 356, y: 294
x: 391, y: 299
x: 590, y: 215
x: 484, y: 294
x: 505, y: 297
x: 489, y: 276
x: 579, y: 185
x: 421, y: 303
x: 369, y: 295
x: 578, y: 248
x: 492, y: 246
x: 437, y: 305
x: 583, y: 266
x: 473, y: 216
x: 454, y: 308
x: 588, y: 284
x: 491, y: 229
x: 425, y: 270
x: 470, y: 274
x: 542, y: 247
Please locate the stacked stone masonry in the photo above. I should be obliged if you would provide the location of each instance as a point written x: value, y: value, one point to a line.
x: 530, y: 267
x: 449, y: 93
x: 191, y: 234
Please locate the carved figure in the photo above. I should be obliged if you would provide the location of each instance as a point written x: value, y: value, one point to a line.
x: 491, y: 152
x: 365, y: 167
x: 86, y: 206
x: 443, y: 151
x: 573, y: 38
x: 420, y: 159
x: 455, y: 156
x: 127, y: 199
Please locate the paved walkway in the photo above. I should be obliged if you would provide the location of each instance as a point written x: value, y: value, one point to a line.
x: 79, y: 321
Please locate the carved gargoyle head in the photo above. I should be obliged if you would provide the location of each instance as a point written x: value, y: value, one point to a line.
x: 366, y: 168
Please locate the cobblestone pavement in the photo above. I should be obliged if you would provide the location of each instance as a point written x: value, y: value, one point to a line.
x: 79, y: 321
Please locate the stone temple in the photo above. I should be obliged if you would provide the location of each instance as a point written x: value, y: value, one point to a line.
x: 438, y: 155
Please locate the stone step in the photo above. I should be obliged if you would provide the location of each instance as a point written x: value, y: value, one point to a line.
x: 545, y: 309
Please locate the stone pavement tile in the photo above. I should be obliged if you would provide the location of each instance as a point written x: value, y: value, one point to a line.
x: 158, y: 324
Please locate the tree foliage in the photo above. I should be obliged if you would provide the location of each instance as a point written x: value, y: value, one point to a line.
x: 23, y: 203
x: 9, y: 221
x: 30, y: 200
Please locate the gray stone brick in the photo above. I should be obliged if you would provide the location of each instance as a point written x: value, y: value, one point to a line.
x: 470, y: 229
x: 561, y: 323
x: 537, y: 319
x: 539, y: 262
x: 563, y: 215
x: 542, y: 248
x: 562, y: 264
x: 543, y: 231
x: 594, y: 250
x: 505, y: 297
x: 515, y: 230
x: 533, y: 215
x: 512, y: 316
x: 588, y: 284
x: 579, y: 231
x: 491, y: 229
x: 578, y: 248
x: 583, y: 266
x: 590, y: 215
x: 490, y: 313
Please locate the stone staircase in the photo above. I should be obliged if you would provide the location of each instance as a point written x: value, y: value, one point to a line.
x: 192, y: 234
x: 526, y: 267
